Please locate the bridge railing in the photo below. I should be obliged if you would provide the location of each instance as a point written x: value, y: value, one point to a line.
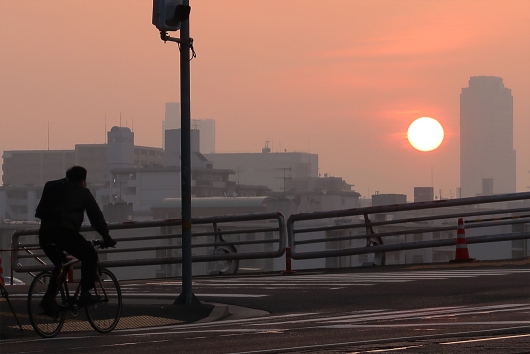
x: 214, y: 239
x: 388, y: 228
x: 229, y: 239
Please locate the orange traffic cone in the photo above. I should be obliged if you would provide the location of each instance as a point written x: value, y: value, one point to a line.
x: 462, y: 254
x: 2, y: 280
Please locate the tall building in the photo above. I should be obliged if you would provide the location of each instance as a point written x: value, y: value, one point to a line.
x: 206, y: 127
x: 171, y: 119
x: 486, y: 138
x: 120, y: 148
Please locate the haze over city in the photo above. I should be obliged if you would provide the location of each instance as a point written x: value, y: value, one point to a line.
x: 343, y: 79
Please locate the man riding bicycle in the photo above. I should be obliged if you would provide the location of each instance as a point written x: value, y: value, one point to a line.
x: 61, y: 210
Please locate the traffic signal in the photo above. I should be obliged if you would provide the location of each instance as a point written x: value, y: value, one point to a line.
x: 168, y: 14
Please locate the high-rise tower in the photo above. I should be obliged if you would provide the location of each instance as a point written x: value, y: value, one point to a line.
x: 486, y: 138
x: 205, y: 126
x: 172, y: 119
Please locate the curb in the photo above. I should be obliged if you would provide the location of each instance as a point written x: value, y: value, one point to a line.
x: 218, y: 313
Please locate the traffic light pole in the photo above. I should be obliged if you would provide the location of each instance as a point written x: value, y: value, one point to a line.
x: 166, y: 18
x: 186, y: 297
x: 185, y: 45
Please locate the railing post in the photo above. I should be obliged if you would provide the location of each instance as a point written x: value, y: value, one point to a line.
x: 288, y: 269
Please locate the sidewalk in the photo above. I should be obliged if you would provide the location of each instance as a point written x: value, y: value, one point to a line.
x: 137, y: 312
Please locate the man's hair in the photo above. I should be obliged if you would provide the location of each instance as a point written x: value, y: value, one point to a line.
x: 76, y: 174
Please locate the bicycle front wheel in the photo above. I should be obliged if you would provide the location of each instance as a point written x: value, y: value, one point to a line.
x: 105, y: 315
x: 46, y: 323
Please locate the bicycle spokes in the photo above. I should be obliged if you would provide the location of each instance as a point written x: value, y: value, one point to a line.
x: 104, y: 315
x: 46, y: 317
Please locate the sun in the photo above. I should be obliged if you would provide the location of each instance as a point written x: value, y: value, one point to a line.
x: 425, y: 134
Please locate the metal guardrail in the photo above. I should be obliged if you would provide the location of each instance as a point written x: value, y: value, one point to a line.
x: 28, y: 257
x: 410, y: 226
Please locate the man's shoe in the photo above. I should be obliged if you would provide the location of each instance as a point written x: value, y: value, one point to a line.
x: 50, y: 309
x: 47, y: 303
x: 87, y: 299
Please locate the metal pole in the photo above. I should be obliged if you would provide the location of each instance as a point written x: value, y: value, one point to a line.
x: 186, y: 297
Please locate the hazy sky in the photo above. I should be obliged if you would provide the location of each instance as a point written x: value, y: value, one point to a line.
x: 341, y: 78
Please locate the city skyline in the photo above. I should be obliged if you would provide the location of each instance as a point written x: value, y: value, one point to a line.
x: 343, y: 80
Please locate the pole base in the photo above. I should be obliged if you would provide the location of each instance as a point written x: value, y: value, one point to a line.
x: 288, y: 272
x: 181, y: 300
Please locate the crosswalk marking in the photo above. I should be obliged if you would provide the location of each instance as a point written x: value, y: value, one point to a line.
x: 345, y: 279
x: 329, y: 281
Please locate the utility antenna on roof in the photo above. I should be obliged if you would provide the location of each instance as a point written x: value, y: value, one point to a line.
x: 266, y: 149
x: 432, y: 178
x: 105, y: 139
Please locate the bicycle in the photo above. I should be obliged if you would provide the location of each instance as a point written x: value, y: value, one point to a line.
x: 103, y: 316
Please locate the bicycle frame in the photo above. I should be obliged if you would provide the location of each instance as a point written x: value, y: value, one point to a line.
x: 62, y: 280
x: 103, y: 314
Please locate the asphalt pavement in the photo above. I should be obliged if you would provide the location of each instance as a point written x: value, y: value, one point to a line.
x: 402, y: 289
x: 138, y: 312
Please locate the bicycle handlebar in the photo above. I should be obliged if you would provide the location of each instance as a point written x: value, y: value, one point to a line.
x: 99, y: 244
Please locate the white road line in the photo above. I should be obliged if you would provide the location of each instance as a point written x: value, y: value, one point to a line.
x: 199, y: 330
x: 487, y: 339
x: 360, y: 316
x: 393, y: 349
x: 351, y: 326
x: 284, y: 286
x: 219, y: 323
x: 168, y: 295
x: 486, y: 311
x: 422, y: 313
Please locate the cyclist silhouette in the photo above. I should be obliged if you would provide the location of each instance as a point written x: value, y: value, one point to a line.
x: 61, y: 210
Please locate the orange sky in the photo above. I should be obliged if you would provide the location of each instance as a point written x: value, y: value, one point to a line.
x: 341, y: 78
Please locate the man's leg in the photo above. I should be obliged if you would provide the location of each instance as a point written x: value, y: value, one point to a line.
x: 57, y: 257
x: 76, y: 245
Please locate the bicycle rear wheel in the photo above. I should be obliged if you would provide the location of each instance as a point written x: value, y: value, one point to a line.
x: 105, y: 315
x: 45, y: 325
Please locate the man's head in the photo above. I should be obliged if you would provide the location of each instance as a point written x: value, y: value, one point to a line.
x: 77, y: 174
